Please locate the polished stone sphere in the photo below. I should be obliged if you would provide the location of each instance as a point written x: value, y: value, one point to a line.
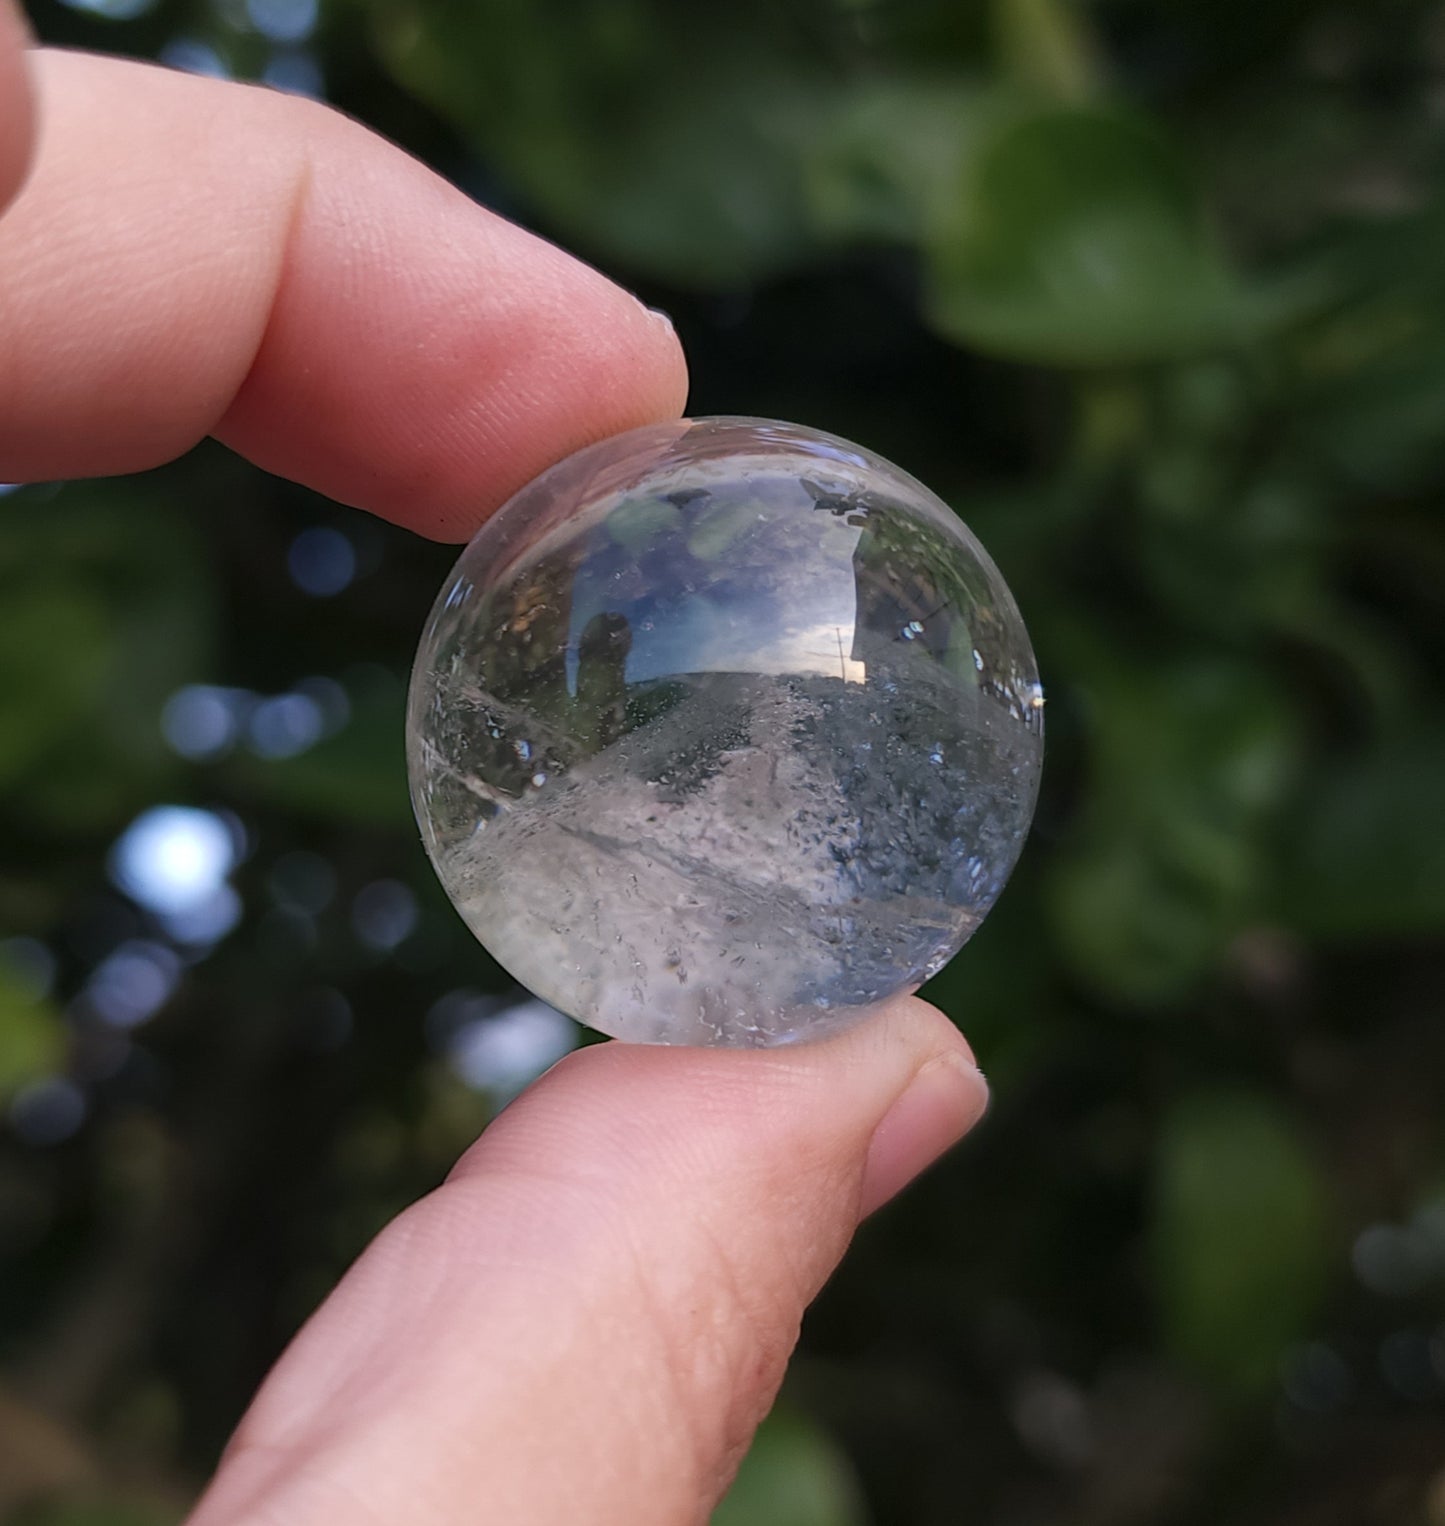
x: 722, y: 732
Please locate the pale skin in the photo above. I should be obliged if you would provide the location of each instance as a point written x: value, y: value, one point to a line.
x: 586, y: 1322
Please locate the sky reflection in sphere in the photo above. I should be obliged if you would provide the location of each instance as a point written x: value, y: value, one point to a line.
x: 723, y: 732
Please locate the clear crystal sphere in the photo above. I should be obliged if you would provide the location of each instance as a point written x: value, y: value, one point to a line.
x: 723, y: 731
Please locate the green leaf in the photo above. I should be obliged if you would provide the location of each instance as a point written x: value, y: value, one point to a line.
x: 96, y: 1514
x: 793, y: 1476
x: 1046, y: 46
x: 665, y: 138
x: 885, y: 156
x: 710, y: 147
x: 1190, y: 763
x: 1381, y: 423
x: 1364, y: 858
x: 1077, y: 237
x: 1239, y: 1241
x: 32, y: 1034
x: 53, y: 660
x: 107, y: 610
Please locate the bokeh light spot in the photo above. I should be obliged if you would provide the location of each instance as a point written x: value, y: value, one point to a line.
x: 1316, y: 1378
x: 201, y: 925
x: 203, y: 721
x: 384, y: 914
x: 29, y: 965
x: 330, y: 698
x: 111, y: 10
x: 321, y: 561
x: 1051, y: 1415
x: 1391, y: 1260
x: 285, y: 725
x: 48, y: 1111
x: 172, y: 859
x: 1406, y: 1365
x: 133, y: 984
x: 283, y: 20
x: 503, y: 1051
x: 296, y: 73
x: 193, y: 56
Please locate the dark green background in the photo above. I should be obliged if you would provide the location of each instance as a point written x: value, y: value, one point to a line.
x: 1153, y: 291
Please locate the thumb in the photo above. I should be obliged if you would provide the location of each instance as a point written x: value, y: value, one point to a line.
x: 17, y: 131
x: 588, y: 1320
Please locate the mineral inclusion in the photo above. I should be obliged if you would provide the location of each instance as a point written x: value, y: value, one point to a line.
x: 723, y: 731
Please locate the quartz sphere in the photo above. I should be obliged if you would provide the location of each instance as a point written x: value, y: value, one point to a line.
x: 722, y: 732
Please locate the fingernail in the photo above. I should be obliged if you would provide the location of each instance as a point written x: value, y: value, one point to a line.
x: 941, y: 1104
x: 663, y: 318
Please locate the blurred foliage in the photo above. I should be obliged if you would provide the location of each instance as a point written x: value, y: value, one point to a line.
x: 1153, y: 291
x: 793, y: 1476
x: 32, y: 1040
x: 1238, y: 1232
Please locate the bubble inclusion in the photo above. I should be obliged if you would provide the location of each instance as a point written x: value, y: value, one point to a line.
x: 723, y: 732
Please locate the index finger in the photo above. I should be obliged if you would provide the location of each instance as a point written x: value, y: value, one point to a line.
x: 15, y: 116
x: 191, y: 257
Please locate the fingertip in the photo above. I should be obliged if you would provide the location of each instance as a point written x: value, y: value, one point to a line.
x: 17, y: 121
x: 670, y: 374
x: 595, y: 363
x: 938, y: 1107
x: 756, y: 1120
x: 938, y: 1097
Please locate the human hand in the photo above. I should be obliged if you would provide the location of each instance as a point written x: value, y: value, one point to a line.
x: 586, y: 1322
